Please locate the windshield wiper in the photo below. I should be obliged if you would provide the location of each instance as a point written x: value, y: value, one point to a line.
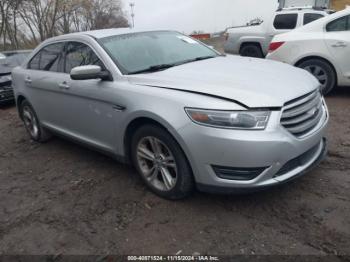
x: 196, y: 59
x: 154, y: 68
x: 203, y: 58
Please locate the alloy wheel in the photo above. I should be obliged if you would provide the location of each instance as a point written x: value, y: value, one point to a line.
x: 30, y: 122
x: 157, y: 163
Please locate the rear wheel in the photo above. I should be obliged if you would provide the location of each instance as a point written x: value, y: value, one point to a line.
x: 161, y: 163
x: 251, y: 50
x: 32, y: 123
x: 322, y: 71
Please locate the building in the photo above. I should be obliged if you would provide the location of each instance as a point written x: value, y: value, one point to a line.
x: 339, y: 4
x: 318, y: 3
x: 334, y: 4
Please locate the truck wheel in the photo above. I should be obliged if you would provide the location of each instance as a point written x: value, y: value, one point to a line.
x: 251, y: 50
x: 323, y: 71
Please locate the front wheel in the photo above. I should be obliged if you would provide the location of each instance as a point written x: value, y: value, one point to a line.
x: 161, y: 163
x: 323, y: 72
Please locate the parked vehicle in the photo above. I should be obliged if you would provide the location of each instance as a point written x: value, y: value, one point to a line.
x: 254, y: 41
x: 322, y: 48
x: 18, y: 54
x: 9, y: 60
x: 173, y: 107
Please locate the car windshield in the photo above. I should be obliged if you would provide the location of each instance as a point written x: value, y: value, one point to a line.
x: 152, y: 51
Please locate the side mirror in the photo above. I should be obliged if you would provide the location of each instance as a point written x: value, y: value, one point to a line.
x: 89, y: 72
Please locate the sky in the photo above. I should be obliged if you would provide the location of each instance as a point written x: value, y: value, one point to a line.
x: 205, y: 15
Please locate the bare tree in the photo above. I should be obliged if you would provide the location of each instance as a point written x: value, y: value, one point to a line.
x: 25, y: 23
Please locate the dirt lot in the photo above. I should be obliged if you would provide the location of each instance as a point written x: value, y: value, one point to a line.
x: 60, y: 198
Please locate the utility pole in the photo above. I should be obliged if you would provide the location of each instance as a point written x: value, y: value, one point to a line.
x: 132, y: 5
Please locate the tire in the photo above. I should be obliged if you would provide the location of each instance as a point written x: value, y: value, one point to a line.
x: 323, y: 71
x: 162, y: 152
x: 251, y: 50
x: 32, y: 123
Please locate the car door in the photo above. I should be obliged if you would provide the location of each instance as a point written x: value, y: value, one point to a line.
x: 86, y: 109
x: 337, y: 38
x: 41, y: 77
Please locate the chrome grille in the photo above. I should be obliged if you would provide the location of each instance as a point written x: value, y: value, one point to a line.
x: 300, y: 116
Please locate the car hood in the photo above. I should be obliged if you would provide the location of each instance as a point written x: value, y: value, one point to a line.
x: 249, y: 81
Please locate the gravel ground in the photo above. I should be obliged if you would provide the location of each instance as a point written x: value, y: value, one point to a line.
x: 61, y: 198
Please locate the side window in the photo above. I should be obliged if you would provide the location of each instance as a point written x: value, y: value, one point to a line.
x: 309, y: 17
x: 51, y: 58
x: 48, y: 59
x: 79, y: 54
x: 285, y: 21
x: 341, y: 24
x: 35, y: 62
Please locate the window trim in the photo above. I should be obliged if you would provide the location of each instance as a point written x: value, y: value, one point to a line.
x: 65, y: 41
x: 296, y: 22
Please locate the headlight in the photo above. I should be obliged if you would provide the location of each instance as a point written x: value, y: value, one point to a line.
x: 254, y: 120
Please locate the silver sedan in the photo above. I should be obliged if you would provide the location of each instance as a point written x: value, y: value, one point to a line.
x: 183, y: 114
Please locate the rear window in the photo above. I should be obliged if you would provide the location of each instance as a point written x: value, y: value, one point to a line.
x: 285, y: 21
x: 341, y: 24
x: 48, y: 59
x: 309, y: 17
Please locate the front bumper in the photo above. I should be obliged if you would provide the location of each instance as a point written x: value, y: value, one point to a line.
x: 6, y: 94
x: 302, y: 170
x: 274, y: 149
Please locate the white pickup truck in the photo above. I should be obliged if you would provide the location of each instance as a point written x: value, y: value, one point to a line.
x: 254, y: 40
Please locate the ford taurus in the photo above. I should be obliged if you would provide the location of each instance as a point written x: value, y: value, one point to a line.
x: 183, y: 114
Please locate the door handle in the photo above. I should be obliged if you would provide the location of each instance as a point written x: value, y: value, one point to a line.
x: 340, y: 44
x: 28, y: 81
x: 64, y: 85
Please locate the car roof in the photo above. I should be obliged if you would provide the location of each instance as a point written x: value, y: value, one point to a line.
x: 102, y: 33
x: 303, y: 10
x: 319, y: 24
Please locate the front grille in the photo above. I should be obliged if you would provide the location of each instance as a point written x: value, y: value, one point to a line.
x: 300, y: 116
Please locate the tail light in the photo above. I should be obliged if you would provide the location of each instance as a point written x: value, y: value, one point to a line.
x: 275, y: 45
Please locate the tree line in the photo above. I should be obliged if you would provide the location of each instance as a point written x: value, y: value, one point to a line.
x: 26, y: 23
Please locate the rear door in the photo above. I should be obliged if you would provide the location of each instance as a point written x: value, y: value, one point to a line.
x: 41, y: 77
x: 337, y: 38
